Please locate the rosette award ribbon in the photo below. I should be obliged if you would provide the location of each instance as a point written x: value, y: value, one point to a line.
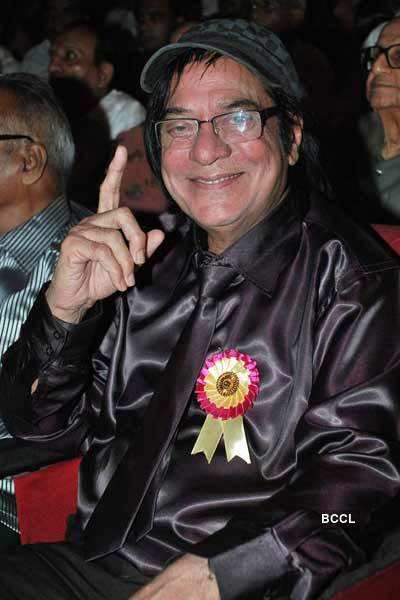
x: 226, y: 389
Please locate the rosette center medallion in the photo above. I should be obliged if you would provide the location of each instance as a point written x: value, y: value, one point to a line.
x: 227, y: 384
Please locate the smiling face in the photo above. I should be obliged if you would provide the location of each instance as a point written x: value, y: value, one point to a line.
x: 226, y: 189
x: 383, y: 83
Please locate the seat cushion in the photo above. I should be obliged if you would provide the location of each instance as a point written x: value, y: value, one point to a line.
x: 45, y: 499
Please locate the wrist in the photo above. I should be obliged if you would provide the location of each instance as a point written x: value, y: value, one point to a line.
x: 72, y: 316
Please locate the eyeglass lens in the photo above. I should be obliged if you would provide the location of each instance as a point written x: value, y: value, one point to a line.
x: 392, y: 54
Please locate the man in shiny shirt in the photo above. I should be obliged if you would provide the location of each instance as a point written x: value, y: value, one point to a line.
x: 310, y: 298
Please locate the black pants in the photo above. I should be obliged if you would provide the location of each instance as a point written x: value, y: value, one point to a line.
x: 59, y: 572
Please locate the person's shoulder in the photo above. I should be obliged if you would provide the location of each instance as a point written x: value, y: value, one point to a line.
x: 358, y: 246
x: 122, y: 100
x: 123, y: 112
x: 40, y: 49
x: 37, y: 60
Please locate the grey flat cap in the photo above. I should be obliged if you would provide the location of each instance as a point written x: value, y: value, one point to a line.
x: 250, y: 44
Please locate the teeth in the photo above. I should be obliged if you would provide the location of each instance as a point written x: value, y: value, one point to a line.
x: 219, y: 180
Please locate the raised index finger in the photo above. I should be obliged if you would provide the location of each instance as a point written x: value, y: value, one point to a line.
x: 110, y: 188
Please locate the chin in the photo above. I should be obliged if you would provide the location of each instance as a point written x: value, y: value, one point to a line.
x: 211, y: 219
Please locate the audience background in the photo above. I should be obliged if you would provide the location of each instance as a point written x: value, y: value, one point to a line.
x: 324, y: 37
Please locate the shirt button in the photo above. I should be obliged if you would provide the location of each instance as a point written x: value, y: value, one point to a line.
x: 57, y: 335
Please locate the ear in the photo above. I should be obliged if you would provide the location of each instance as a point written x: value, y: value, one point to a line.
x: 34, y: 157
x: 106, y: 73
x: 293, y: 155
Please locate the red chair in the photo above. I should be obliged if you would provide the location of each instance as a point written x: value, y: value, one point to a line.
x: 45, y: 500
x: 391, y: 234
x: 383, y: 585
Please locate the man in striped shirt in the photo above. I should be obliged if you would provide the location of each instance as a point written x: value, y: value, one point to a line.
x: 36, y: 156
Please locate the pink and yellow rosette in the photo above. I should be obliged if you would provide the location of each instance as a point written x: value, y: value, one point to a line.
x: 226, y: 388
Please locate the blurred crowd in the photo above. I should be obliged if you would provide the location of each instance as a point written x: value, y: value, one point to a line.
x: 92, y: 55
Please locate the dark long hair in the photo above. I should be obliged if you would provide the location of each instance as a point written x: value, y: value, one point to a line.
x: 306, y: 174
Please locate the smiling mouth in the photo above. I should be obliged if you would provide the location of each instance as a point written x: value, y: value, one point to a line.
x: 216, y: 180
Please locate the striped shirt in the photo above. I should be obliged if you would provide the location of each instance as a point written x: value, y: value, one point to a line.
x: 28, y: 254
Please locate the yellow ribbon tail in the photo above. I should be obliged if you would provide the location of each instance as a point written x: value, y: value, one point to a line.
x: 208, y: 438
x: 235, y: 439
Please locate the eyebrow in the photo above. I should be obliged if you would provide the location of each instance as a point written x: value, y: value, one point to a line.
x: 225, y: 106
x: 66, y: 47
x: 241, y: 103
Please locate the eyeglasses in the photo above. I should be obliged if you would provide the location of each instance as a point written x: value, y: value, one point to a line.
x: 232, y: 128
x: 392, y: 53
x: 10, y: 136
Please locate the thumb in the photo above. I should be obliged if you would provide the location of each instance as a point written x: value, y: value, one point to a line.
x: 155, y: 237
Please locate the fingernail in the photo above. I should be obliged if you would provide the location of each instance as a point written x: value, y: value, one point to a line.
x: 140, y: 257
x: 130, y: 280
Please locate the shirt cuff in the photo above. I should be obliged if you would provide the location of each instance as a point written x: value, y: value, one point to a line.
x: 251, y: 569
x: 49, y: 336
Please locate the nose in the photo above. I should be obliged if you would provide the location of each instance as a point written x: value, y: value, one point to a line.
x: 55, y: 65
x: 208, y: 146
x: 380, y: 64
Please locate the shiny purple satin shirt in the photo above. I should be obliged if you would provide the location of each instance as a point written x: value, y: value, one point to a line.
x: 316, y: 305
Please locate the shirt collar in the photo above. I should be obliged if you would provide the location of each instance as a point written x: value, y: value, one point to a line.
x: 27, y: 242
x: 262, y: 253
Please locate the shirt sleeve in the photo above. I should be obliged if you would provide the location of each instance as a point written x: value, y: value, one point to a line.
x: 347, y: 455
x: 54, y: 358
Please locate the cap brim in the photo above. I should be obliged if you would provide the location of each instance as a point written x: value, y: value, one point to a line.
x: 155, y: 66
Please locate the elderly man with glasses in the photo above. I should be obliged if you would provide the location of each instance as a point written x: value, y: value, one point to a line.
x: 36, y: 156
x: 239, y: 416
x: 382, y: 129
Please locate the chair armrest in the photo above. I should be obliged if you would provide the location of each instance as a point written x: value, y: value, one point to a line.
x: 18, y: 456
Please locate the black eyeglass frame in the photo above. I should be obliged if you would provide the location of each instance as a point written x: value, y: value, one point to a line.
x: 385, y: 51
x: 265, y: 114
x: 17, y: 136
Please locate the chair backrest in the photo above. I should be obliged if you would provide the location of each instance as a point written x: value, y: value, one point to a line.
x: 391, y: 234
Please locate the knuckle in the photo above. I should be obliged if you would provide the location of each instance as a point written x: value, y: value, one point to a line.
x: 75, y: 229
x: 130, y: 263
x: 101, y: 250
x: 139, y: 238
x: 104, y: 187
x: 85, y: 221
x: 84, y: 230
x: 114, y: 236
x: 68, y: 243
x: 125, y: 214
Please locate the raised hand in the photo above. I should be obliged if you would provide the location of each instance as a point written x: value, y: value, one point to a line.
x: 99, y: 255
